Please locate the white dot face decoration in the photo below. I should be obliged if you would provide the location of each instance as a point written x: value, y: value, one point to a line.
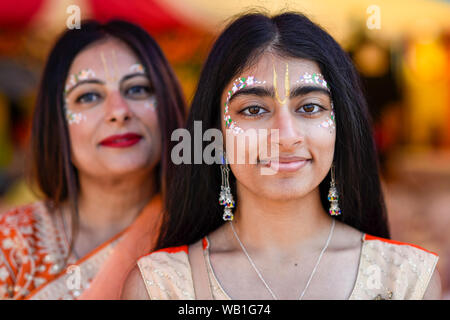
x: 330, y: 123
x: 306, y: 78
x: 238, y: 84
x: 76, y: 117
x: 84, y: 74
x: 151, y: 104
x: 137, y: 68
x: 317, y: 78
x: 72, y: 117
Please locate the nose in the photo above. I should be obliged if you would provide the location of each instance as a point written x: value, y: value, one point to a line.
x: 117, y: 109
x: 290, y: 132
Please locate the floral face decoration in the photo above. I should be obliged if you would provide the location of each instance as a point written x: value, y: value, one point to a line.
x: 306, y: 78
x: 317, y: 78
x: 86, y: 74
x: 238, y: 84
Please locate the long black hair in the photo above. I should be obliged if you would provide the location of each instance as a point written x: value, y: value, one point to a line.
x: 193, y: 208
x: 51, y: 169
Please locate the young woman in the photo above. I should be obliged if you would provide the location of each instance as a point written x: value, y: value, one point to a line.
x: 314, y: 228
x: 107, y: 105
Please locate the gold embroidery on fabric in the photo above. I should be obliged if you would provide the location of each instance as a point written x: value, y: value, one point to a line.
x: 387, y: 297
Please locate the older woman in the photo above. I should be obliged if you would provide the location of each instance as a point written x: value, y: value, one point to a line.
x: 106, y: 108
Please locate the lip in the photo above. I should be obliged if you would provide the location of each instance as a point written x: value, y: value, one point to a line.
x: 121, y: 140
x: 286, y: 164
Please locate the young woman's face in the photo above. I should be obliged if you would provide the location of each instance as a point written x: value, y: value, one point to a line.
x: 290, y: 95
x: 110, y: 111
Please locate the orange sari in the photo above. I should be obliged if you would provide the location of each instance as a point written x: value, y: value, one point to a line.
x: 32, y: 254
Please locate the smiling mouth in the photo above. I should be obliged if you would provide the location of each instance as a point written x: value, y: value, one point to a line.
x: 291, y: 164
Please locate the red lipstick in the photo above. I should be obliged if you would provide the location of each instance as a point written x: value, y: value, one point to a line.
x: 121, y: 140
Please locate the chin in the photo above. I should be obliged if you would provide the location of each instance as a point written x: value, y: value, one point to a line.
x: 282, y: 190
x: 127, y: 167
x: 283, y: 194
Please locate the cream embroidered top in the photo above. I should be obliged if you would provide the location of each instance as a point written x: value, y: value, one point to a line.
x: 387, y: 270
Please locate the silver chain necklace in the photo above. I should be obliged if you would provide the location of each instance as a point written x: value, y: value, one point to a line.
x: 259, y: 273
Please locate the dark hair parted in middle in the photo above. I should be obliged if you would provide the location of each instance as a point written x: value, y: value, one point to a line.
x: 192, y: 203
x: 51, y: 165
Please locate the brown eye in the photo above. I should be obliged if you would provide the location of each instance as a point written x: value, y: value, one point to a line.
x: 253, y: 111
x: 311, y: 108
x: 308, y: 108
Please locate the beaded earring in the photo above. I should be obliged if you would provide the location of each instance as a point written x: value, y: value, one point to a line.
x: 333, y: 196
x: 225, y: 196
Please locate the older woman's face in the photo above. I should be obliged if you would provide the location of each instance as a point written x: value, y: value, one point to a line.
x: 290, y: 96
x: 110, y: 110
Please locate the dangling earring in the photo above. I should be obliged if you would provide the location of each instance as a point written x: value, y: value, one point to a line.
x: 333, y: 196
x: 225, y: 196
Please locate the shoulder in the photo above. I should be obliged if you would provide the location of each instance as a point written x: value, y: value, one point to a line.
x: 167, y: 274
x: 17, y: 244
x: 20, y: 215
x: 134, y: 288
x: 388, y: 243
x: 395, y: 269
x: 18, y: 225
x: 434, y: 289
x: 419, y: 260
x: 167, y: 256
x: 23, y: 217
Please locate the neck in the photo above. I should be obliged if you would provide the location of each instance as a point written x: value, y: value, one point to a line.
x: 110, y: 205
x: 272, y: 224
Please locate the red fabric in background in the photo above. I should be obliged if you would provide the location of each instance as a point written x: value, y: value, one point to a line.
x: 146, y: 13
x: 17, y: 14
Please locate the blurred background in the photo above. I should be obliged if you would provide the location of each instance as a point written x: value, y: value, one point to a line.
x: 401, y: 49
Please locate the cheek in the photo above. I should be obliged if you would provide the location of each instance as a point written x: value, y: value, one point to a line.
x: 244, y: 148
x: 321, y: 142
x: 73, y: 117
x: 143, y: 108
x: 81, y: 131
x: 81, y: 140
x: 147, y: 116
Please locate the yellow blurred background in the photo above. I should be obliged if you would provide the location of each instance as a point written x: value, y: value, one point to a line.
x: 401, y: 49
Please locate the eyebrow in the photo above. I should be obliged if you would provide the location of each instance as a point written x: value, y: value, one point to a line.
x: 254, y: 91
x: 136, y: 74
x: 304, y: 90
x: 270, y: 92
x: 96, y: 81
